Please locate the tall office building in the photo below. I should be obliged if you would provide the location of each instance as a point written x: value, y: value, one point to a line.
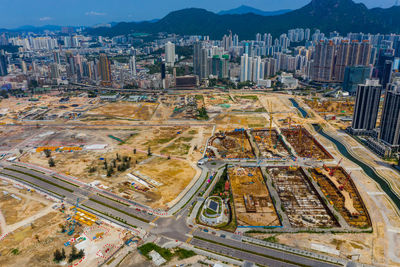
x: 322, y: 69
x: 355, y: 75
x: 3, y: 64
x: 170, y: 54
x: 105, y: 70
x: 390, y: 121
x: 366, y: 107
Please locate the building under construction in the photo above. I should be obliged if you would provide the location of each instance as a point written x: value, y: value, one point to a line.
x: 305, y: 144
x: 300, y: 201
x: 252, y: 202
x: 230, y: 145
x: 270, y: 144
x: 341, y: 192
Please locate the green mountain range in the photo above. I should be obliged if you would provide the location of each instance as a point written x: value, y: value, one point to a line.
x: 327, y: 15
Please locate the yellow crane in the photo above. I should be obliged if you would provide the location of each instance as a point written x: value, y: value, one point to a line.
x: 270, y: 122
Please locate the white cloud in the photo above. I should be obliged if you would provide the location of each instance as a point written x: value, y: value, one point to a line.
x: 45, y: 18
x: 94, y: 13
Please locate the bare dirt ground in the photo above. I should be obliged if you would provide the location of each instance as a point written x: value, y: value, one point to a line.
x: 32, y: 251
x: 175, y: 175
x: 183, y: 145
x: 123, y: 110
x: 20, y: 210
x: 231, y: 121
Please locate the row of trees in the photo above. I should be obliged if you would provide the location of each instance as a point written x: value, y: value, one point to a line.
x: 74, y: 255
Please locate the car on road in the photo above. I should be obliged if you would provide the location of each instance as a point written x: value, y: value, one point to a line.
x: 223, y: 236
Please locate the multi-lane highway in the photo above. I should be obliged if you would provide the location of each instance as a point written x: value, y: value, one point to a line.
x: 173, y: 227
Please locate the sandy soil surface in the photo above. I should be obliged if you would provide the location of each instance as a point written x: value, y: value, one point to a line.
x: 20, y: 210
x: 124, y: 110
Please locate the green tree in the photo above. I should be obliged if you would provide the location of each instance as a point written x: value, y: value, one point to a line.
x: 51, y: 162
x: 57, y: 256
x: 202, y: 114
x: 47, y: 152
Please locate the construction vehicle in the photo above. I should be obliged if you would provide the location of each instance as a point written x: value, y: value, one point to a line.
x: 332, y: 171
x: 73, y: 224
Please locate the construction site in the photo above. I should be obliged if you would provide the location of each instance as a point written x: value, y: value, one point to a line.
x: 337, y: 112
x: 252, y: 201
x: 130, y: 155
x: 270, y: 144
x: 305, y: 144
x: 37, y: 226
x: 230, y: 145
x: 339, y: 189
x: 301, y: 202
x: 45, y: 108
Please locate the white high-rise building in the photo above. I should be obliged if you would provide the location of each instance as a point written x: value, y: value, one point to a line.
x: 244, y: 61
x: 170, y: 54
x: 251, y: 68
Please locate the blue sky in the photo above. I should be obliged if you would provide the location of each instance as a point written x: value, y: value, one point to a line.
x: 14, y: 13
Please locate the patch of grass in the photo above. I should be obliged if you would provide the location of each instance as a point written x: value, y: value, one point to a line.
x: 147, y: 248
x: 112, y: 199
x: 184, y: 139
x: 109, y: 215
x: 159, y: 141
x: 55, y: 177
x: 260, y: 110
x: 184, y: 254
x: 271, y: 239
x: 177, y: 149
x: 250, y: 97
x: 199, y: 97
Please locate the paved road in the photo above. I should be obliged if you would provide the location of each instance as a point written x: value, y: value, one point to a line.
x: 174, y: 227
x: 262, y: 250
x: 239, y: 254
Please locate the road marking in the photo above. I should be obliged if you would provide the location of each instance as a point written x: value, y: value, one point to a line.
x: 85, y: 199
x: 190, y: 234
x: 155, y: 219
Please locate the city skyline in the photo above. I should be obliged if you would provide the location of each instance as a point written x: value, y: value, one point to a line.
x: 91, y: 13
